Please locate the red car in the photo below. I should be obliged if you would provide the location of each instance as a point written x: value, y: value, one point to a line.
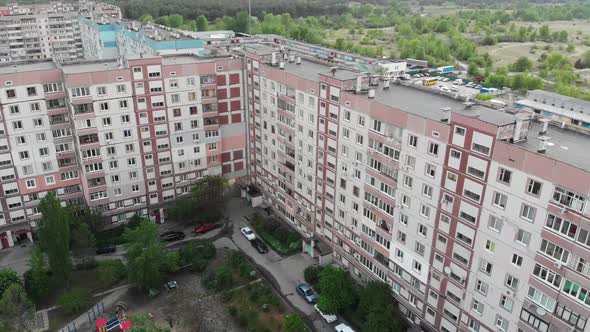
x: 204, y: 228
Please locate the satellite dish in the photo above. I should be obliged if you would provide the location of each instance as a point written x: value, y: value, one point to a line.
x: 541, y: 311
x: 447, y: 270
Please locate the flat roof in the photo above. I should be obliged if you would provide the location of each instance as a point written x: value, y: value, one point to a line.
x: 85, y: 67
x: 562, y: 97
x: 19, y: 67
x: 311, y: 70
x: 564, y: 145
x: 553, y: 109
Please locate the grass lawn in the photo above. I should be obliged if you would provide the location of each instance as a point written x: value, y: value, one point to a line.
x: 280, y: 238
x: 257, y: 308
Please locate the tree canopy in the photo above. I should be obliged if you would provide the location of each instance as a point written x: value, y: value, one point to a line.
x: 54, y: 236
x: 337, y: 291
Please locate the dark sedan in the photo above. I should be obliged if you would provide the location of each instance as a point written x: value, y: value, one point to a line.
x: 259, y: 245
x: 172, y: 236
x: 204, y: 228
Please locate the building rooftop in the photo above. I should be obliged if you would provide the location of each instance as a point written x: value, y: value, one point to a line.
x: 86, y: 67
x: 26, y: 67
x: 583, y: 102
x: 311, y: 70
x: 564, y: 145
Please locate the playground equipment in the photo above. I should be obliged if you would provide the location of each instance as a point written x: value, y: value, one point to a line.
x: 117, y: 323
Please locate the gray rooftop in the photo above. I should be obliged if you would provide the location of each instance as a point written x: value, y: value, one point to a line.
x: 86, y: 67
x: 27, y: 66
x: 564, y: 145
x: 310, y: 70
x: 583, y: 102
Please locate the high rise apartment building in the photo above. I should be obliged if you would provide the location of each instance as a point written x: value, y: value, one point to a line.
x: 477, y: 218
x: 40, y: 35
x: 121, y: 138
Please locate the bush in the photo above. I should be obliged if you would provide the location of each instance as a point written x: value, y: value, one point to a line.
x: 74, y: 300
x: 233, y: 311
x: 224, y: 279
x: 485, y: 97
x: 197, y: 254
x: 312, y: 274
x: 110, y: 271
x: 209, y: 280
x: 199, y: 265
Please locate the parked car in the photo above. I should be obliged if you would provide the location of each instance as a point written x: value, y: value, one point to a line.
x: 470, y: 84
x: 259, y: 245
x: 248, y: 233
x: 171, y: 285
x: 329, y: 318
x: 204, y: 228
x: 454, y: 88
x: 307, y: 293
x: 343, y: 328
x: 478, y: 86
x: 171, y: 236
x: 106, y: 249
x: 445, y: 89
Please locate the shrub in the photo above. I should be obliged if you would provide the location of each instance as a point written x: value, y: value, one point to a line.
x: 75, y: 299
x: 199, y: 265
x: 209, y: 280
x: 110, y: 272
x: 233, y: 311
x: 485, y: 97
x: 312, y: 274
x: 294, y: 323
x: 224, y: 279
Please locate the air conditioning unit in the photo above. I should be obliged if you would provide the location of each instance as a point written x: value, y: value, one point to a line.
x: 509, y: 293
x: 563, y: 210
x: 356, y: 256
x: 557, y: 265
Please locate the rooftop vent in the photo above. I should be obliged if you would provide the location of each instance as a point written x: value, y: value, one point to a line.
x: 298, y: 60
x: 386, y: 84
x: 281, y: 65
x: 545, y: 123
x: 446, y: 114
x: 273, y: 58
x: 291, y: 58
x: 371, y: 93
x: 543, y: 143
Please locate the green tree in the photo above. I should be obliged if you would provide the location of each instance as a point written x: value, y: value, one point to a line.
x: 294, y: 323
x: 144, y: 323
x: 473, y: 70
x: 54, y: 236
x: 377, y: 306
x: 146, y: 257
x: 16, y: 309
x: 175, y: 21
x: 37, y: 277
x: 521, y: 64
x: 544, y: 33
x: 242, y: 22
x: 75, y: 299
x: 202, y: 23
x: 110, y: 271
x: 8, y: 278
x: 337, y: 290
x: 518, y: 82
x: 145, y: 18
x: 83, y: 244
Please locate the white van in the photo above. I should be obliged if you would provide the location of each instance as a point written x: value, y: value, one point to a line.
x: 329, y: 318
x: 343, y: 328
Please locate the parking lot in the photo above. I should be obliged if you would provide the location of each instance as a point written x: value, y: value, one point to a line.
x: 449, y: 86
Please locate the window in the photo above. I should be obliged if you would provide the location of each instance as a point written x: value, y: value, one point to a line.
x: 532, y: 320
x: 20, y: 140
x: 430, y: 170
x: 570, y: 317
x: 541, y: 299
x: 517, y: 260
x: 14, y: 109
x: 417, y: 266
x: 485, y: 266
x: 506, y: 303
x: 474, y: 325
x: 412, y: 140
x: 101, y: 90
x: 427, y: 190
x: 501, y: 323
x: 35, y: 107
x: 547, y: 275
x: 495, y: 223
x: 425, y: 211
x: 533, y: 187
x: 80, y: 92
x: 569, y: 198
x: 577, y: 291
x: 528, y: 212
x: 24, y: 155
x: 562, y: 226
x: 38, y: 122
x: 410, y: 161
x: 121, y: 88
x: 433, y: 148
x: 481, y: 287
x: 511, y: 281
x: 125, y: 119
x: 408, y: 181
x: 43, y: 152
x: 523, y: 237
x: 504, y: 176
x: 499, y: 200
x: 477, y: 307
x: 554, y: 251
x: 422, y: 230
x: 31, y: 91
x: 361, y: 121
x: 419, y: 248
x: 106, y: 121
x: 480, y: 149
x: 490, y: 246
x: 49, y: 180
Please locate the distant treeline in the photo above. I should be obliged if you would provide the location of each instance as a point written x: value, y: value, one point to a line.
x: 213, y: 9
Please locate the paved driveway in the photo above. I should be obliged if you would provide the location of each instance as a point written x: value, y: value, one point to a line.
x: 287, y: 272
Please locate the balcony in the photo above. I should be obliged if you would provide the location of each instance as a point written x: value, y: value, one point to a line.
x: 290, y: 166
x: 89, y: 139
x: 58, y: 119
x: 97, y: 182
x: 66, y: 162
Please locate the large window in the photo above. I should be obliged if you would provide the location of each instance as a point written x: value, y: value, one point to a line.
x: 554, y: 251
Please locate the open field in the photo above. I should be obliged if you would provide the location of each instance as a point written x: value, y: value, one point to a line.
x: 573, y: 28
x: 507, y: 53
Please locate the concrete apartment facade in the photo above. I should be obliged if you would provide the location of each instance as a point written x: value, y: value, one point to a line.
x: 477, y: 218
x: 122, y: 138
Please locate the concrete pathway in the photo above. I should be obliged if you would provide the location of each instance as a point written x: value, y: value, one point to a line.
x: 16, y: 258
x: 286, y: 272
